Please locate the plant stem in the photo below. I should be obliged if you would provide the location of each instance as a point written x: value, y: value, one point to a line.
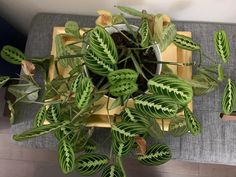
x: 129, y: 39
x: 43, y: 103
x: 130, y: 29
x: 170, y: 63
x: 121, y: 165
x: 107, y: 108
x: 125, y: 59
x: 102, y: 91
x: 70, y: 56
x: 56, y: 67
x: 100, y: 82
x: 144, y: 67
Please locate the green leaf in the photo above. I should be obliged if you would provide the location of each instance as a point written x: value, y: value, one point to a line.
x: 112, y: 171
x: 155, y: 130
x: 130, y: 11
x: 158, y: 28
x: 222, y: 46
x: 132, y: 115
x: 60, y: 49
x: 123, y: 88
x: 89, y: 164
x: 144, y: 32
x: 192, y: 123
x: 53, y: 113
x: 40, y: 117
x: 84, y: 92
x: 186, y: 43
x: 166, y: 70
x: 38, y: 131
x: 3, y: 80
x: 66, y: 157
x: 202, y: 79
x: 195, y: 83
x: 28, y: 92
x: 116, y: 19
x: 168, y: 36
x: 97, y: 65
x: 72, y: 28
x: 122, y: 74
x: 178, y: 126
x: 12, y: 112
x: 122, y: 148
x: 156, y: 155
x: 137, y: 66
x: 119, y: 101
x: 102, y: 44
x: 220, y: 73
x: 123, y: 131
x: 12, y: 54
x: 229, y: 98
x: 65, y: 133
x: 175, y: 88
x: 75, y: 83
x: 90, y: 146
x: 72, y: 53
x: 156, y: 106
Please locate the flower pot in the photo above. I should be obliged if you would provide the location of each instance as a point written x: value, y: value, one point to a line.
x: 123, y: 27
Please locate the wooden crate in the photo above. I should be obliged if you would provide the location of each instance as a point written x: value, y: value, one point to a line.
x: 100, y: 118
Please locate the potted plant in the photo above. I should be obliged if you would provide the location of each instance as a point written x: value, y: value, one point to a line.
x: 121, y: 63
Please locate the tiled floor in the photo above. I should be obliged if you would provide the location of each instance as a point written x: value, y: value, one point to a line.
x: 18, y: 161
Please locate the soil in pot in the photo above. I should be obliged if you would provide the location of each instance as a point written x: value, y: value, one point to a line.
x: 123, y: 44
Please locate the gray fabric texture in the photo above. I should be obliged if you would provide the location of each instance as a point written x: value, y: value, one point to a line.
x: 216, y: 144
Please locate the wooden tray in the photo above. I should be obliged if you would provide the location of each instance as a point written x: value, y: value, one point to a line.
x: 172, y: 54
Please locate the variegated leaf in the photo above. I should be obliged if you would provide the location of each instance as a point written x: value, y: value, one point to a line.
x: 40, y: 117
x: 178, y: 126
x: 229, y: 98
x: 156, y: 106
x: 89, y: 164
x: 122, y: 148
x: 192, y: 123
x: 144, y: 32
x: 186, y: 43
x: 102, y: 44
x: 222, y: 46
x: 123, y: 88
x: 38, y: 131
x: 66, y: 157
x: 168, y: 35
x: 121, y: 75
x: 123, y: 131
x: 112, y: 171
x: 156, y: 155
x: 175, y: 88
x: 97, y: 65
x: 12, y: 55
x: 130, y: 11
x: 84, y: 92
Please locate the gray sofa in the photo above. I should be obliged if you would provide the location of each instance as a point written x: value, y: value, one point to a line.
x: 216, y: 144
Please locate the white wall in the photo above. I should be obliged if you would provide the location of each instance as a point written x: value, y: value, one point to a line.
x: 20, y: 12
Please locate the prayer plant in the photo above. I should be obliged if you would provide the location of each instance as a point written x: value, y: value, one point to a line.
x: 101, y: 66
